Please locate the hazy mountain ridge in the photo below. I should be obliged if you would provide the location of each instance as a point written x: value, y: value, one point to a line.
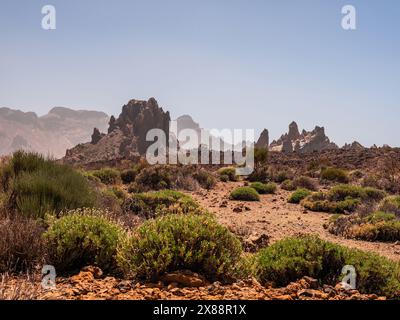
x: 51, y: 134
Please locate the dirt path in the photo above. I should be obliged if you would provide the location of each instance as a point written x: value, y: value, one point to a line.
x: 278, y: 219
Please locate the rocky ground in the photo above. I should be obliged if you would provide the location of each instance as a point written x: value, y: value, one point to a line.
x: 90, y: 284
x: 276, y: 219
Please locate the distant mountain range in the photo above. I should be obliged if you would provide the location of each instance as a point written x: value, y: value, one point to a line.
x: 51, y: 134
x: 64, y: 131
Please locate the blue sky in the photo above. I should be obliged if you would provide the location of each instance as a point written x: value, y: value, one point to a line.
x: 229, y: 64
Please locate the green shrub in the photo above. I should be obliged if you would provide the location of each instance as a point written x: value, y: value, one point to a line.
x: 36, y: 186
x: 154, y: 178
x: 334, y: 175
x: 176, y: 242
x: 108, y: 176
x: 293, y: 258
x: 390, y: 204
x: 128, y: 176
x: 230, y: 172
x: 305, y: 183
x: 280, y: 176
x: 224, y: 178
x: 288, y: 185
x: 83, y: 237
x: 380, y: 216
x: 152, y: 204
x: 245, y: 194
x: 388, y: 231
x: 258, y: 174
x: 264, y: 188
x: 299, y: 195
x: 341, y: 198
x: 205, y: 179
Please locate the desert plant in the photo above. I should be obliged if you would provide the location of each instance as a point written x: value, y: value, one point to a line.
x: 245, y: 194
x: 152, y: 204
x: 299, y: 195
x: 390, y: 204
x: 154, y: 178
x: 305, y: 183
x: 36, y: 185
x: 176, y: 242
x: 83, y: 237
x: 230, y: 172
x: 21, y: 245
x: 292, y: 258
x: 288, y: 185
x: 205, y: 179
x: 128, y: 176
x: 108, y: 176
x: 334, y: 175
x: 264, y: 188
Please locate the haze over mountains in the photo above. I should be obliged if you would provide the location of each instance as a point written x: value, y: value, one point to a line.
x: 51, y: 134
x: 65, y: 129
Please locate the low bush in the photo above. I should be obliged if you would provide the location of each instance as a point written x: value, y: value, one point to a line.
x: 83, y: 237
x: 387, y: 231
x: 152, y: 204
x: 258, y: 174
x: 293, y: 258
x: 305, y: 183
x: 288, y: 185
x: 334, y: 175
x: 264, y: 188
x: 128, y: 176
x: 176, y: 242
x: 21, y: 245
x: 230, y: 172
x: 245, y: 194
x: 154, y: 178
x: 341, y: 198
x: 299, y: 195
x: 391, y: 204
x: 35, y: 185
x: 108, y: 176
x: 205, y: 179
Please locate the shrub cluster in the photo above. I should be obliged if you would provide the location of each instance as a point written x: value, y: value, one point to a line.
x: 245, y: 194
x: 334, y: 175
x: 264, y: 188
x: 83, y: 237
x: 227, y: 174
x: 341, y: 198
x: 35, y: 185
x: 107, y: 176
x: 152, y: 204
x: 176, y: 242
x: 293, y: 258
x: 299, y: 195
x: 304, y: 182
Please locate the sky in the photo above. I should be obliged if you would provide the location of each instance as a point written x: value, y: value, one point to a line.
x: 228, y: 63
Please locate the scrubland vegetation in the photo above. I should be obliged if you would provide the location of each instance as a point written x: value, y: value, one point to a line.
x: 54, y: 214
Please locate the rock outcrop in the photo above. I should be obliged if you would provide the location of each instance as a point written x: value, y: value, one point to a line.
x: 126, y: 137
x: 263, y: 140
x: 52, y: 134
x: 355, y: 146
x: 307, y: 141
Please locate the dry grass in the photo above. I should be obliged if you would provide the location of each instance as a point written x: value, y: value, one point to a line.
x: 21, y: 288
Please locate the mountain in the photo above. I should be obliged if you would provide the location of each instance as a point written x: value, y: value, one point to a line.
x: 126, y: 135
x: 52, y: 134
x: 304, y: 142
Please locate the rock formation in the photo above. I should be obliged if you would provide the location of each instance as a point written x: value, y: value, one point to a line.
x: 52, y: 134
x: 126, y: 137
x: 315, y: 140
x: 355, y: 146
x: 263, y: 140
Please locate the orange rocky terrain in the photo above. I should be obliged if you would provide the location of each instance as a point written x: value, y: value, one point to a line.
x: 274, y: 217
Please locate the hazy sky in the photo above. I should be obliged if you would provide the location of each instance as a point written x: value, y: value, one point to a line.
x: 228, y: 63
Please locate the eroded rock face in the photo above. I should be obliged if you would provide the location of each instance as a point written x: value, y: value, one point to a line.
x: 307, y: 141
x: 126, y: 137
x: 263, y: 140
